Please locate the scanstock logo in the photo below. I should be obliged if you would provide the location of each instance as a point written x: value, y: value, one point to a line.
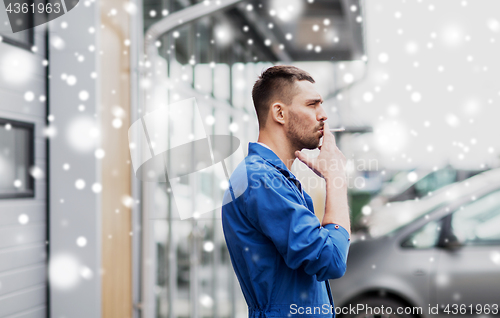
x: 27, y: 14
x: 170, y: 145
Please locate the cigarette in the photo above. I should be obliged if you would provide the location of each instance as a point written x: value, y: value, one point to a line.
x: 337, y: 129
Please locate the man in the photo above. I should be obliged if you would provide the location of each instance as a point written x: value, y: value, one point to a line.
x: 281, y: 253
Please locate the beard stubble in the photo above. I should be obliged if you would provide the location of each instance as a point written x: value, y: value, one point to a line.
x: 299, y: 135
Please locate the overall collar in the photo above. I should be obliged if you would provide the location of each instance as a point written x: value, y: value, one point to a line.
x: 267, y: 154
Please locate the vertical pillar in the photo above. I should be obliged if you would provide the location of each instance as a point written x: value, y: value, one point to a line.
x: 116, y: 217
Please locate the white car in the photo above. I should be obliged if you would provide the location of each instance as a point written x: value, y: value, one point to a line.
x: 442, y: 256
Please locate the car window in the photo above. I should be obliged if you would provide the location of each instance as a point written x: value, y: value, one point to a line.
x: 398, y: 183
x: 434, y: 181
x: 478, y: 222
x: 425, y: 237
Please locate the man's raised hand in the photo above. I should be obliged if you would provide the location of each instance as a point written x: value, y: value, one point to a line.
x: 330, y: 163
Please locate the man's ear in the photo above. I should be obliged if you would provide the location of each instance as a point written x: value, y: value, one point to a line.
x: 278, y: 112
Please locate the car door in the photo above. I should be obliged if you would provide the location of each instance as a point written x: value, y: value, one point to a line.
x: 418, y: 251
x: 468, y: 265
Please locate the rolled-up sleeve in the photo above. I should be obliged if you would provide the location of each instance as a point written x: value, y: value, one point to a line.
x: 295, y: 231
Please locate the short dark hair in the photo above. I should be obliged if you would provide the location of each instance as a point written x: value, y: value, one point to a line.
x: 276, y: 83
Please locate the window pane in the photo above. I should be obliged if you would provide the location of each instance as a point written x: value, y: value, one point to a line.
x: 435, y: 180
x: 425, y: 237
x: 479, y: 221
x: 23, y: 37
x: 15, y: 157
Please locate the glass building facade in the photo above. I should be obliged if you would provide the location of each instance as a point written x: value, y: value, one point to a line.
x: 212, y: 60
x: 216, y: 58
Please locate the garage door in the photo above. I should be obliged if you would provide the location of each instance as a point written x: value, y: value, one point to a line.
x: 23, y: 213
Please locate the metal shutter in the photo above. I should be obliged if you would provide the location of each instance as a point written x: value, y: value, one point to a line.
x: 23, y: 270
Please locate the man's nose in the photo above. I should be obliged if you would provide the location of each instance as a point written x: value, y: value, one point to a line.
x: 321, y: 115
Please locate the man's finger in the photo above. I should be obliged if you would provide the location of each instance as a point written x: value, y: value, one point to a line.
x: 327, y: 134
x: 303, y: 158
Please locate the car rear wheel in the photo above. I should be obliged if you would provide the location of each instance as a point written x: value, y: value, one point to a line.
x: 378, y: 307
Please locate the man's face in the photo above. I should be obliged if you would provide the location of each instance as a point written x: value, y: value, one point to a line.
x: 304, y: 126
